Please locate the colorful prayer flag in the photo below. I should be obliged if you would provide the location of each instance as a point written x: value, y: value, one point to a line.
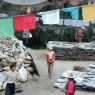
x: 88, y: 12
x: 74, y: 12
x: 24, y: 22
x: 6, y: 27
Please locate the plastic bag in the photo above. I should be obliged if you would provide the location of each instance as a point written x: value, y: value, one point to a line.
x: 22, y: 74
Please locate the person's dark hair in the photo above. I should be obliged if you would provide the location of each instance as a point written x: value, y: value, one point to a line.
x: 72, y: 80
x: 12, y: 65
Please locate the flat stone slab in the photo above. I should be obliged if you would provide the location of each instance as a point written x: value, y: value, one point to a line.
x: 3, y: 56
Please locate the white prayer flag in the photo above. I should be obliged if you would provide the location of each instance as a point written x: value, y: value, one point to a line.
x: 79, y: 23
x: 51, y: 17
x: 75, y: 23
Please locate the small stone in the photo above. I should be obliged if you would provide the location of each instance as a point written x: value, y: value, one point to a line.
x: 7, y: 68
x: 10, y: 60
x: 30, y: 69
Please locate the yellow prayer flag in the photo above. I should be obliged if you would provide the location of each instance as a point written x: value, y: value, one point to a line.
x: 88, y: 12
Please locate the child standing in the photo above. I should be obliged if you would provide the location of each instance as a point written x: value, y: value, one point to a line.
x: 50, y: 58
x: 10, y: 79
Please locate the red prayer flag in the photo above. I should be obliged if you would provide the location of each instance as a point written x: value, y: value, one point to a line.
x: 24, y: 22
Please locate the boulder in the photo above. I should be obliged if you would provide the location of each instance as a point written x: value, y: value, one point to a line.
x: 2, y: 55
x: 3, y: 63
x: 27, y: 57
x: 7, y: 68
x: 79, y: 68
x: 30, y: 69
x: 10, y: 60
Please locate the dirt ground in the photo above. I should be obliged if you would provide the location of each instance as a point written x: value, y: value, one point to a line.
x: 43, y: 85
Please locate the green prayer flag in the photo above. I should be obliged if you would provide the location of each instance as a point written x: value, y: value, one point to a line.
x: 6, y: 27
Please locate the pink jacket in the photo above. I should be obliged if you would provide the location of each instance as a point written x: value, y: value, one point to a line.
x: 71, y: 88
x: 50, y: 56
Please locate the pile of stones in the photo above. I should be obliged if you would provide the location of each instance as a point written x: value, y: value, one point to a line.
x: 73, y: 51
x: 12, y: 50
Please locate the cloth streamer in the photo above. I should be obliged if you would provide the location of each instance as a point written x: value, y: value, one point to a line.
x: 79, y: 23
x: 76, y: 23
x: 50, y: 17
x: 74, y: 12
x: 88, y: 12
x: 6, y: 27
x: 24, y: 22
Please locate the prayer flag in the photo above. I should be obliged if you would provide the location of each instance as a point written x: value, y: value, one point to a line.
x: 6, y: 27
x: 24, y: 22
x: 88, y: 12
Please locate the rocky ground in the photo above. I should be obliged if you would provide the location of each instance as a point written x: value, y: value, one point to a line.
x: 44, y: 85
